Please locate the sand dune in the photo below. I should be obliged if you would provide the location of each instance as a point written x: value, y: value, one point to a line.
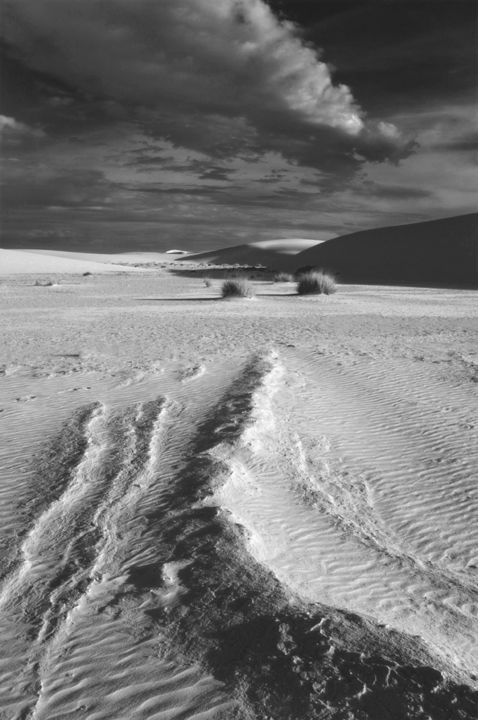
x: 121, y: 258
x: 435, y: 252
x: 274, y: 254
x: 16, y: 262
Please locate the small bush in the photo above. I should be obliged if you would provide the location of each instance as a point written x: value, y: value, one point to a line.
x: 239, y: 287
x: 283, y: 277
x: 316, y: 283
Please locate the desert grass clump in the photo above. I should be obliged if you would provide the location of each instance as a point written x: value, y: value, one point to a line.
x: 283, y: 277
x: 316, y: 283
x: 237, y: 287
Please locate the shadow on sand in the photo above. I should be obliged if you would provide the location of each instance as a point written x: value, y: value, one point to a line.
x: 179, y: 299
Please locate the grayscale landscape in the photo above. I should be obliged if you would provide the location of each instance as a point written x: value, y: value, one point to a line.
x: 238, y: 361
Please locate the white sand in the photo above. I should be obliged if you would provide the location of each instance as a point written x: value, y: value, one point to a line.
x: 355, y: 475
x: 16, y: 262
x: 287, y: 246
x: 126, y: 258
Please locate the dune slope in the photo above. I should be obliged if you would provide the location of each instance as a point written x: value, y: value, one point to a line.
x: 274, y: 254
x: 20, y: 262
x: 442, y: 252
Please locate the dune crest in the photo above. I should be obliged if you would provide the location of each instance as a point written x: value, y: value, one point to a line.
x: 274, y: 254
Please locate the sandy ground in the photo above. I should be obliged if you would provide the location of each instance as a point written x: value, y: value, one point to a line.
x: 176, y: 469
x: 126, y: 258
x: 20, y: 262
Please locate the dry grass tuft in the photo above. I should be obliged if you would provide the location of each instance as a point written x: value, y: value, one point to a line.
x: 283, y: 277
x: 238, y: 287
x: 316, y: 283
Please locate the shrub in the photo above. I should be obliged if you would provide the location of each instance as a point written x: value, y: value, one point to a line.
x: 283, y: 277
x: 316, y: 283
x: 239, y: 287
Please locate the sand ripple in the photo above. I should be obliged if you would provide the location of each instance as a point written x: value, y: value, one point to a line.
x: 227, y: 541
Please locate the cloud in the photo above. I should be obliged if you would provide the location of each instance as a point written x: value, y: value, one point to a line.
x: 15, y: 134
x: 43, y: 188
x: 9, y: 123
x: 219, y: 77
x: 467, y: 142
x: 393, y: 192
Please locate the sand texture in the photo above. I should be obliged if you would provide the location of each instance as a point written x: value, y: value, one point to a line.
x: 26, y: 262
x: 260, y: 508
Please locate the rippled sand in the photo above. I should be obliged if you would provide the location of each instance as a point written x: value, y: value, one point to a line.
x: 262, y: 508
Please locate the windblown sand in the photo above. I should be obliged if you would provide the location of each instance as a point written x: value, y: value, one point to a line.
x: 182, y: 474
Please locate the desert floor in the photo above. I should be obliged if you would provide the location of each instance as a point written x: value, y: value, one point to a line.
x: 248, y: 508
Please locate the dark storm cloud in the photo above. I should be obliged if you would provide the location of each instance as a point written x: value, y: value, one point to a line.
x: 394, y: 53
x: 216, y: 77
x: 17, y: 136
x: 399, y: 192
x: 215, y: 111
x: 215, y: 173
x: 203, y: 190
x: 67, y: 189
x: 465, y: 143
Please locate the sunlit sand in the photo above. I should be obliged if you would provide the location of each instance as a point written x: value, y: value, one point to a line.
x: 194, y: 490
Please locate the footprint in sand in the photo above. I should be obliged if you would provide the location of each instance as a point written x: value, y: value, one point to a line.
x: 191, y: 373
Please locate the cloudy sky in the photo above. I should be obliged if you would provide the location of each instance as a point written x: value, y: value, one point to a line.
x: 205, y: 123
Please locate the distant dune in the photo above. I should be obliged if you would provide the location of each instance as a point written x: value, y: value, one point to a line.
x: 275, y: 254
x: 437, y: 252
x: 16, y: 262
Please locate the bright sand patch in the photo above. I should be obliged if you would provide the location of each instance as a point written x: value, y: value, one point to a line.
x: 125, y: 258
x: 16, y: 262
x: 353, y: 473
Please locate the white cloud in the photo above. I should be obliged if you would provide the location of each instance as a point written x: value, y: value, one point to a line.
x: 9, y: 124
x: 389, y: 130
x: 228, y: 57
x: 15, y: 134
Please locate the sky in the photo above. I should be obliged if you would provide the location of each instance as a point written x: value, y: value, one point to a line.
x: 151, y: 124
